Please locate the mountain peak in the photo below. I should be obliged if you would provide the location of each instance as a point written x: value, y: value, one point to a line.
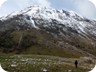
x: 48, y: 14
x: 43, y: 12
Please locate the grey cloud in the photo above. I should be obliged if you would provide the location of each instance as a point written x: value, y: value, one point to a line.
x: 86, y: 8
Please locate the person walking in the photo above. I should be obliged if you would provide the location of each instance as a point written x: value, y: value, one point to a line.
x: 76, y: 64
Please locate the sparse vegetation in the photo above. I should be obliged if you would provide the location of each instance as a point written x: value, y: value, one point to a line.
x: 36, y: 63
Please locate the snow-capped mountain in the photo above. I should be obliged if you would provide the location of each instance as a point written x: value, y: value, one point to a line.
x: 34, y: 14
x: 64, y: 25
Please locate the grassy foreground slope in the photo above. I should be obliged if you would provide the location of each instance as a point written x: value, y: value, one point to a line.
x: 36, y: 63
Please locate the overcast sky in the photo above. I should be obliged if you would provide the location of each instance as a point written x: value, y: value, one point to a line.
x: 86, y: 8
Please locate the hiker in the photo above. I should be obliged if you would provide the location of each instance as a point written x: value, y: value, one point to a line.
x: 76, y: 64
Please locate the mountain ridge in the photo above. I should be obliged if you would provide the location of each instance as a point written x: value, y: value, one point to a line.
x: 61, y: 29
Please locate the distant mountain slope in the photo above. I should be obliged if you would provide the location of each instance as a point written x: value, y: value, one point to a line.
x: 40, y: 27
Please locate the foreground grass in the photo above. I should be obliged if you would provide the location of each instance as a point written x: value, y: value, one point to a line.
x: 36, y: 63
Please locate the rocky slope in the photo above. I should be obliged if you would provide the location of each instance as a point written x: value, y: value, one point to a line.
x: 39, y: 27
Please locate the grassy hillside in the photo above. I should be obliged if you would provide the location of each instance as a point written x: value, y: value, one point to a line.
x: 41, y: 43
x: 34, y: 42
